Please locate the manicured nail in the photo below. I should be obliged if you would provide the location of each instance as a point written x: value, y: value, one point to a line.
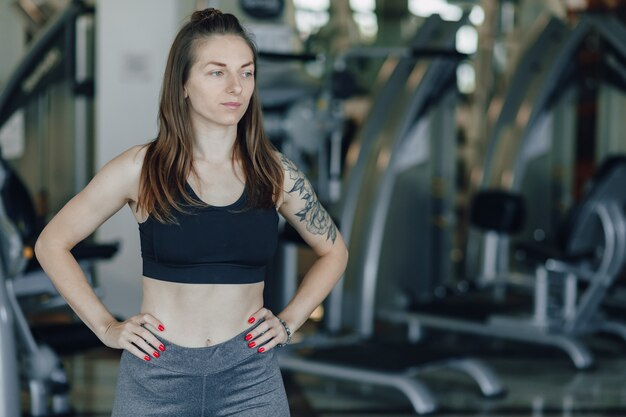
x: 147, y: 358
x: 248, y: 336
x: 252, y: 344
x: 161, y: 328
x: 156, y: 354
x: 251, y: 320
x: 261, y: 350
x: 162, y: 348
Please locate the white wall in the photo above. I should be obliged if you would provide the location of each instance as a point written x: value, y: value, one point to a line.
x: 132, y: 42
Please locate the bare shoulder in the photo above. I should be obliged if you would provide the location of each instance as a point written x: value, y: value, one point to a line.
x: 278, y: 155
x: 131, y: 160
x: 124, y: 171
x: 293, y: 179
x: 291, y: 170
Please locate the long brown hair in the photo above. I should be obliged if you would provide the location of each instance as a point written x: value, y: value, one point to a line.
x: 168, y: 159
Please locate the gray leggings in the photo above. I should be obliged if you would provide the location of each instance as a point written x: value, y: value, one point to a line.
x: 227, y: 379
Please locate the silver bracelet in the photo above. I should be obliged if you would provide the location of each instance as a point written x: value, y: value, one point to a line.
x: 287, y: 329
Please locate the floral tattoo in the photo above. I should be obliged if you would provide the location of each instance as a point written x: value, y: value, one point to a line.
x: 316, y: 218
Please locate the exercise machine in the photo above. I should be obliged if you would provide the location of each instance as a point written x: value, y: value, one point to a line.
x: 49, y: 100
x: 420, y: 86
x: 525, y: 148
x: 22, y: 279
x: 10, y: 263
x: 55, y: 69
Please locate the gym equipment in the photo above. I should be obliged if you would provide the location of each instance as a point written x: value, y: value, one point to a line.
x: 410, y: 160
x: 21, y: 279
x: 417, y: 88
x: 56, y: 67
x: 530, y: 149
x: 10, y: 263
x: 519, y: 160
x: 52, y: 87
x: 303, y: 119
x: 596, y: 223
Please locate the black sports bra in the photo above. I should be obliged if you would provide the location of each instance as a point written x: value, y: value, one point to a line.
x: 210, y: 245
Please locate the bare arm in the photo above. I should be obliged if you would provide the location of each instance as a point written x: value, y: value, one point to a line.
x: 303, y: 211
x: 113, y: 187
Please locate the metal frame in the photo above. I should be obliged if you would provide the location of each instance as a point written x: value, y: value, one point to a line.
x: 419, y: 83
x: 418, y: 394
x: 557, y: 49
x: 10, y: 245
x: 578, y: 318
x: 378, y: 218
x: 400, y: 63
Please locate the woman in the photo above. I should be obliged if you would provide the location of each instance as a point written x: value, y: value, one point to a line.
x: 205, y: 194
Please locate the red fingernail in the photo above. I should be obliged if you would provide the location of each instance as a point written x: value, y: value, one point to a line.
x: 147, y: 358
x: 251, y: 320
x: 161, y: 328
x: 261, y: 350
x: 252, y: 344
x: 248, y: 336
x: 162, y: 348
x: 156, y: 354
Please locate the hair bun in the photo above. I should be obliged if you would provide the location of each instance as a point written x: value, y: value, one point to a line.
x: 200, y: 15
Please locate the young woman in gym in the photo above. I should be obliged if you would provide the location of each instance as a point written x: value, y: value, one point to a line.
x: 205, y: 194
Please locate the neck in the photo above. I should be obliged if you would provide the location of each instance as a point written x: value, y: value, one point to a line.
x: 216, y: 145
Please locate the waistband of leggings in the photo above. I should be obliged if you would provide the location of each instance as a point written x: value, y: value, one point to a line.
x: 205, y: 360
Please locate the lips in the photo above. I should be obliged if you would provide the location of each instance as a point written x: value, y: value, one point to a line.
x: 232, y: 105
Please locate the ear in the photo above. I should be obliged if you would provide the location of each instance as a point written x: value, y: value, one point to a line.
x: 185, y: 92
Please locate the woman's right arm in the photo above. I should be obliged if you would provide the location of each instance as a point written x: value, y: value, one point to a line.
x: 114, y: 186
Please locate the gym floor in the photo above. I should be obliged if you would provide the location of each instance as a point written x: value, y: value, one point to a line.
x: 539, y: 381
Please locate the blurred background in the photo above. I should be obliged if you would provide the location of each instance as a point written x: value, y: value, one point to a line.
x: 472, y: 153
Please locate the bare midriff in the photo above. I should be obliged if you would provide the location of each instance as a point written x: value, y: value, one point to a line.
x: 199, y: 315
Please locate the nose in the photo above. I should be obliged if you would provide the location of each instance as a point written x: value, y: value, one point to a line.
x: 235, y: 86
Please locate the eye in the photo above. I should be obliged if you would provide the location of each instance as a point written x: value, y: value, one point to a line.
x: 248, y: 74
x: 216, y: 73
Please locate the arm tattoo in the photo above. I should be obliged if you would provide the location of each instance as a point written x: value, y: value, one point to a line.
x: 316, y: 218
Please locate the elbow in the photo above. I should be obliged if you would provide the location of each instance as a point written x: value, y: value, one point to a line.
x: 344, y: 256
x: 39, y: 248
x: 42, y: 247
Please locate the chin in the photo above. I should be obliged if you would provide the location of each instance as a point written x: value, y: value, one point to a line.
x: 231, y: 122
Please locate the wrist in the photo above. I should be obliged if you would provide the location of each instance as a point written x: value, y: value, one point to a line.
x: 293, y: 319
x: 288, y: 331
x: 102, y: 329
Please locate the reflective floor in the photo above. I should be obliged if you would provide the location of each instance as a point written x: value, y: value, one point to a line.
x: 539, y: 382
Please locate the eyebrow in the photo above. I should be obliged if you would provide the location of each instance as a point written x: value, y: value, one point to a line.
x: 221, y: 64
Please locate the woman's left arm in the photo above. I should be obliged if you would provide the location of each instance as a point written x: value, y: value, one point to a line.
x: 302, y: 209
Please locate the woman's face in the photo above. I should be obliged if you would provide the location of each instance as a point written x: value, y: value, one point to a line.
x: 221, y: 81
